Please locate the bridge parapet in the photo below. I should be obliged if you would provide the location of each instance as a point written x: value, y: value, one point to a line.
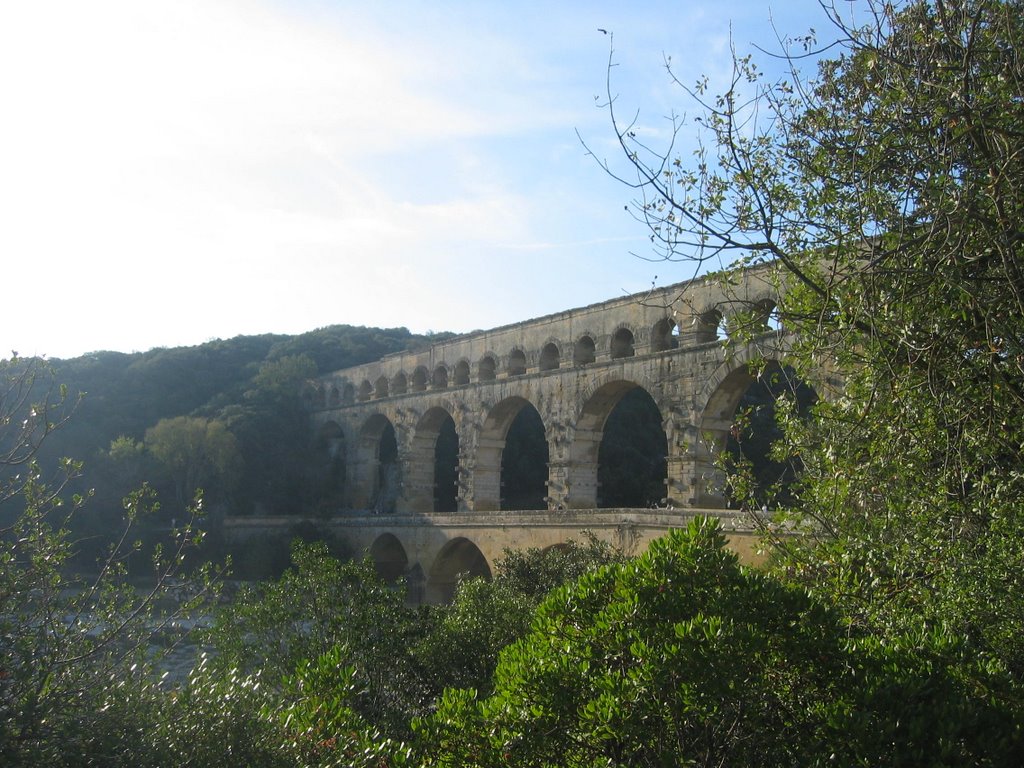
x: 683, y: 315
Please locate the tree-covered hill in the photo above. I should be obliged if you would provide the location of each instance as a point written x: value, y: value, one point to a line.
x: 239, y: 394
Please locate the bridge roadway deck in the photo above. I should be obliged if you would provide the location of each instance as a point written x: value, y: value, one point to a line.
x: 430, y: 551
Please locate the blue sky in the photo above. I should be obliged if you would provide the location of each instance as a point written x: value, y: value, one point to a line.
x: 173, y: 171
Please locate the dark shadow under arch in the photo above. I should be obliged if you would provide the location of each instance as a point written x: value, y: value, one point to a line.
x: 632, y: 457
x: 524, y: 462
x: 379, y: 448
x: 389, y: 557
x: 459, y: 558
x: 754, y: 429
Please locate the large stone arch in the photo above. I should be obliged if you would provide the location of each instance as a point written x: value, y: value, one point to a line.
x: 460, y: 557
x: 377, y: 470
x: 714, y: 417
x: 633, y: 452
x: 487, y: 490
x: 422, y: 464
x: 389, y: 557
x: 595, y: 406
x: 332, y: 452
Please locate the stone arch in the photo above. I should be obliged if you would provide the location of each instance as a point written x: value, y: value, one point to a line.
x: 709, y: 326
x: 433, y: 463
x: 399, y: 384
x: 332, y: 456
x: 439, y: 380
x: 462, y: 372
x: 584, y: 350
x: 632, y: 455
x: 766, y: 315
x: 460, y: 557
x: 516, y: 362
x: 487, y: 370
x: 365, y: 391
x: 381, y: 387
x: 715, y: 416
x: 490, y: 453
x: 550, y: 357
x: 594, y: 411
x: 419, y: 379
x: 348, y: 393
x: 623, y: 343
x: 665, y: 335
x: 378, y: 471
x: 309, y: 397
x: 389, y: 557
x: 334, y: 397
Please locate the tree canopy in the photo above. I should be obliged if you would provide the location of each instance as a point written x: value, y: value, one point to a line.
x: 886, y: 186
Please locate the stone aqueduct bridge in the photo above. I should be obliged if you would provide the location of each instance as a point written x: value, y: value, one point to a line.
x: 573, y: 367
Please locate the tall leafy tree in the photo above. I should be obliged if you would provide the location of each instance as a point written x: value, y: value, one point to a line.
x: 886, y: 186
x: 195, y: 451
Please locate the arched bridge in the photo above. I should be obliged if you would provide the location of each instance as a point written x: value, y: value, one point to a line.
x: 508, y: 437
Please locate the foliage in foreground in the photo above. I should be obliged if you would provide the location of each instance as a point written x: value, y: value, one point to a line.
x: 885, y: 188
x: 681, y: 656
x: 77, y: 652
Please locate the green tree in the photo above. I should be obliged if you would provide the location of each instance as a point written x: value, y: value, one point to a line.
x: 461, y: 646
x: 195, y: 452
x: 886, y: 187
x: 281, y: 378
x: 76, y: 651
x: 682, y: 657
x: 320, y: 606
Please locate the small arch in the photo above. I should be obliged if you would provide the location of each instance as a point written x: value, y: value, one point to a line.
x: 487, y: 370
x: 380, y: 388
x: 750, y: 318
x: 462, y: 372
x: 664, y: 335
x: 766, y: 312
x: 419, y: 379
x: 516, y: 362
x: 365, y: 390
x: 584, y: 351
x: 334, y: 397
x: 321, y: 397
x: 709, y: 326
x: 399, y: 384
x: 348, y: 393
x: 440, y: 378
x: 549, y: 357
x: 459, y: 558
x: 622, y: 344
x: 389, y: 557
